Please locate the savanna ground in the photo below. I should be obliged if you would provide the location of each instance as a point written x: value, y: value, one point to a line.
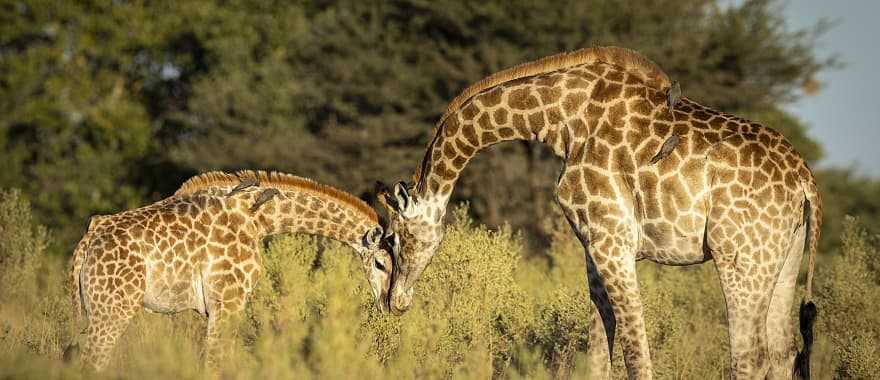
x: 484, y: 309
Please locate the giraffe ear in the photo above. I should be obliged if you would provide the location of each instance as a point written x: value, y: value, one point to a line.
x: 402, y: 199
x: 393, y: 242
x: 372, y: 237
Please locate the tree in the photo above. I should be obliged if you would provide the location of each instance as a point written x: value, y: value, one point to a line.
x: 104, y: 106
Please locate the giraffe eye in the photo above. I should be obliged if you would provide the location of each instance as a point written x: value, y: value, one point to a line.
x: 379, y: 265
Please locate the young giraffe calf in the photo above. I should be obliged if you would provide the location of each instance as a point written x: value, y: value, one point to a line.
x: 200, y: 250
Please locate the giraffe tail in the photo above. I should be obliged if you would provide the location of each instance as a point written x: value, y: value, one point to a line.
x: 808, y: 312
x: 75, y: 287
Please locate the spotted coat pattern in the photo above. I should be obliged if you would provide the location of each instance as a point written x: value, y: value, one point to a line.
x: 198, y: 251
x: 731, y: 190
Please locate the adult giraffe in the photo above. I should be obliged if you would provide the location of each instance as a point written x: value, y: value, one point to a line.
x: 673, y: 182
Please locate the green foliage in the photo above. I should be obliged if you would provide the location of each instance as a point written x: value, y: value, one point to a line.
x: 21, y: 242
x: 105, y: 105
x: 35, y: 313
x: 482, y: 310
x: 848, y: 288
x: 846, y: 193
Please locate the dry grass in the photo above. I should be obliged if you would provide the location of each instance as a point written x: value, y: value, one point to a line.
x: 482, y: 310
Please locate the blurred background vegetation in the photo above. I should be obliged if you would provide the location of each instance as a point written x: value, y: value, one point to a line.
x: 106, y: 106
x: 486, y: 309
x: 109, y: 105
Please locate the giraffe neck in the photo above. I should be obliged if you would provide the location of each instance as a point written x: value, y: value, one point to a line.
x: 561, y: 109
x: 314, y: 214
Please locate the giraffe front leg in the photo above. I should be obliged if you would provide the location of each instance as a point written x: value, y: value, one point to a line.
x: 220, y: 333
x: 613, y: 268
x: 614, y: 295
x: 227, y: 298
x: 601, y: 313
x: 602, y: 325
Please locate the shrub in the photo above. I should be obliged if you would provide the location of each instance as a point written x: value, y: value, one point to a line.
x: 481, y: 310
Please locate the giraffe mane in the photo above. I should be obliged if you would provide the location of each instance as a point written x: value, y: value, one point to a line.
x: 628, y: 60
x: 280, y: 181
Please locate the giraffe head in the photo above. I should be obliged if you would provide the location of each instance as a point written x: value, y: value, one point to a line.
x: 419, y: 223
x: 375, y: 252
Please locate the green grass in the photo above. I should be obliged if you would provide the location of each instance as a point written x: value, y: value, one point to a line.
x: 482, y: 310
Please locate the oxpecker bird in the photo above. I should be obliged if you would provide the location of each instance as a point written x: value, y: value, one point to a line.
x: 264, y: 197
x: 673, y: 95
x: 667, y: 148
x: 244, y: 184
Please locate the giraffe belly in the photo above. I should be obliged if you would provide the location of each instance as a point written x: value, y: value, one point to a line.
x: 680, y: 244
x: 168, y: 292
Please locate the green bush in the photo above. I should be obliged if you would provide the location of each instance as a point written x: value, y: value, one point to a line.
x: 847, y: 289
x: 482, y: 310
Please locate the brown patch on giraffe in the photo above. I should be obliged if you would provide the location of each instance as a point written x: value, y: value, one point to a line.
x: 604, y: 91
x: 598, y: 183
x: 578, y: 127
x: 484, y: 122
x: 611, y: 133
x: 594, y: 113
x: 470, y: 134
x: 522, y: 99
x: 500, y: 116
x: 640, y: 106
x: 451, y: 127
x: 576, y: 83
x: 491, y: 98
x: 536, y: 122
x: 701, y: 114
x: 573, y: 101
x: 597, y: 70
x: 458, y: 162
x: 505, y: 133
x: 488, y: 138
x: 615, y: 76
x: 444, y: 173
x: 577, y: 153
x: 464, y: 147
x: 449, y: 150
x: 519, y: 122
x: 576, y: 180
x: 639, y: 130
x: 635, y: 92
x: 622, y: 160
x: 549, y: 95
x: 469, y: 111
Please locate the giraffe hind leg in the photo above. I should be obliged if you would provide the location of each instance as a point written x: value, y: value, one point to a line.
x: 780, y: 329
x: 747, y: 292
x: 106, y: 323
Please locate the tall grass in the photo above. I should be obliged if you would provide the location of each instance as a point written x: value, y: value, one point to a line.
x: 482, y: 310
